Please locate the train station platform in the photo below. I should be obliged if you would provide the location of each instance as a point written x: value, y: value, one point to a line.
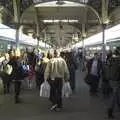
x: 79, y: 106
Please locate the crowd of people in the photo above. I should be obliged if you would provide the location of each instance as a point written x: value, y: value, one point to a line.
x: 59, y: 67
x: 17, y: 66
x: 108, y: 74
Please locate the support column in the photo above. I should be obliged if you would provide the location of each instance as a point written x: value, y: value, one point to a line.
x: 38, y: 33
x: 17, y: 36
x: 83, y: 37
x: 105, y: 21
x: 103, y: 43
x: 45, y: 38
x: 37, y: 27
x: 16, y: 6
x: 37, y: 42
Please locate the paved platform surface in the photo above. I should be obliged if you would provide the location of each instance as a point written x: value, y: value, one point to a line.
x: 80, y: 106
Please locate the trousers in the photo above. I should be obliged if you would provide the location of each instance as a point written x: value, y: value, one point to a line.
x: 17, y: 89
x: 56, y: 91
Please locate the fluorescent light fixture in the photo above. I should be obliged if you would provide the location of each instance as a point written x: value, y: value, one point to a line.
x: 57, y: 21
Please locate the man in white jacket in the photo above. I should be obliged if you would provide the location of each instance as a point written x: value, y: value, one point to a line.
x: 56, y: 72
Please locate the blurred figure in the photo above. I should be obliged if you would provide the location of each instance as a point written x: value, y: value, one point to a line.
x: 72, y: 69
x: 5, y: 76
x: 30, y: 76
x: 17, y: 75
x: 56, y: 72
x: 114, y: 82
x: 49, y: 56
x: 94, y: 68
x: 40, y: 69
x: 109, y: 55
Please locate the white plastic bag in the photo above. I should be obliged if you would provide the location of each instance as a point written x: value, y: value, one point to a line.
x: 66, y: 90
x: 45, y: 90
x: 9, y: 69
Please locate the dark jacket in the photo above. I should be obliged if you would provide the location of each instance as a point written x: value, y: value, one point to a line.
x: 99, y: 66
x: 17, y: 72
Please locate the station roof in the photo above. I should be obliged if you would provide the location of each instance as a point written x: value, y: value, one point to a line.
x: 60, y: 14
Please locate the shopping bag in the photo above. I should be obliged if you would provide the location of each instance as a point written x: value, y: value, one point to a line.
x: 8, y: 69
x: 66, y: 90
x: 45, y: 90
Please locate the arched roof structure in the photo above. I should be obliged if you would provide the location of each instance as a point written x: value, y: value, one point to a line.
x: 30, y: 10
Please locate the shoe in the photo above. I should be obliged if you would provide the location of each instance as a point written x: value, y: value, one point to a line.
x: 110, y: 113
x: 53, y: 107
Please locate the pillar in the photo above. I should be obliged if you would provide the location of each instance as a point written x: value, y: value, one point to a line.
x: 17, y: 36
x: 45, y: 39
x: 105, y: 21
x: 16, y: 6
x: 38, y: 39
x: 103, y: 43
x: 83, y: 37
x: 37, y: 27
x: 38, y: 33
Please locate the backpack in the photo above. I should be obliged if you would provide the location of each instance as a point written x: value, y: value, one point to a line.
x: 24, y: 69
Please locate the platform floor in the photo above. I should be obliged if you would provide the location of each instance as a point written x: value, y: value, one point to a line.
x: 80, y: 106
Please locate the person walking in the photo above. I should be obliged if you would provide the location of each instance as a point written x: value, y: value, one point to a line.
x: 94, y: 69
x: 56, y: 72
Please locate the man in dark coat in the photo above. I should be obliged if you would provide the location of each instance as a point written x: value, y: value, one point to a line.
x: 94, y: 67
